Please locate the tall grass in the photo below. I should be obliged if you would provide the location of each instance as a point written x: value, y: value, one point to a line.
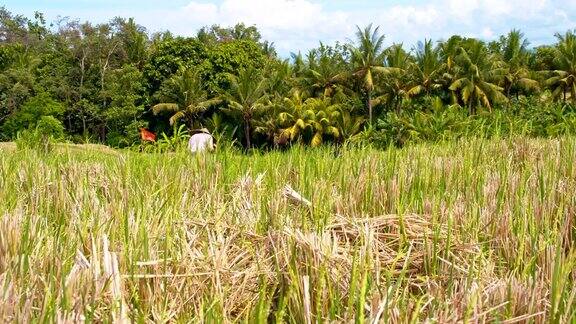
x: 470, y: 231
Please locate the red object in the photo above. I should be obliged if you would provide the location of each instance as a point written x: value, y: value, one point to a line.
x: 147, y: 135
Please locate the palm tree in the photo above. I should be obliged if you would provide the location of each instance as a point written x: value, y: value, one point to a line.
x: 515, y: 54
x: 368, y: 59
x: 348, y: 124
x: 396, y: 80
x: 476, y: 77
x: 322, y: 73
x: 247, y: 97
x: 187, y: 98
x: 299, y: 64
x: 310, y: 120
x: 291, y: 120
x: 448, y: 50
x: 563, y: 80
x: 514, y: 46
x: 280, y: 76
x: 426, y: 70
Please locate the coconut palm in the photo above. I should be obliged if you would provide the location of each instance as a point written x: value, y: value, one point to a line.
x: 322, y: 73
x: 449, y: 49
x: 514, y: 47
x: 187, y: 98
x: 515, y: 55
x: 396, y: 80
x: 291, y: 121
x: 368, y: 60
x: 280, y: 76
x: 476, y: 77
x: 562, y: 81
x: 348, y: 124
x: 311, y: 120
x: 427, y: 70
x: 247, y: 98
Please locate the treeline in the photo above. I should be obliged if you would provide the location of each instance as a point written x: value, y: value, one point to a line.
x: 103, y: 82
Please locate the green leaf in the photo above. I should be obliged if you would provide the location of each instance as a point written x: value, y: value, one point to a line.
x: 316, y: 139
x: 164, y: 107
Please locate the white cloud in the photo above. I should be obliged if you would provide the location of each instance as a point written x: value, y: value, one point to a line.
x: 300, y: 24
x: 487, y: 32
x: 287, y: 22
x: 201, y: 11
x: 461, y: 9
x: 498, y: 7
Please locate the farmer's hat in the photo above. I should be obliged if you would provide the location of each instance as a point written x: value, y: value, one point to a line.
x: 199, y: 131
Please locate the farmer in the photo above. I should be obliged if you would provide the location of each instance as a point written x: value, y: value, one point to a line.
x: 201, y: 140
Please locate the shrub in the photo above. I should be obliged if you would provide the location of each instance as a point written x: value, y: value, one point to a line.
x: 176, y: 142
x: 525, y: 117
x: 42, y: 136
x: 31, y: 113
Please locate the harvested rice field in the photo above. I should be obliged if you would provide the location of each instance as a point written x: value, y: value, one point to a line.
x: 476, y: 231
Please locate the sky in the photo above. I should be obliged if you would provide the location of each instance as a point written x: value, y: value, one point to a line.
x: 295, y: 25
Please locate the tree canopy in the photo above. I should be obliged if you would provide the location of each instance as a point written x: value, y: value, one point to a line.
x: 103, y: 82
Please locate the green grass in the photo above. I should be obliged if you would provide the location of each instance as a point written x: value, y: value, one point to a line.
x: 466, y: 231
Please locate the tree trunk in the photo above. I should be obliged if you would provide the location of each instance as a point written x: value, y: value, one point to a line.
x: 247, y: 132
x: 104, y: 68
x: 83, y: 124
x: 103, y: 133
x: 508, y: 91
x: 369, y: 103
x: 82, y: 71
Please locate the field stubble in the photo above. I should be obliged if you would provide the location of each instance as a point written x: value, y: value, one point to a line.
x: 473, y: 231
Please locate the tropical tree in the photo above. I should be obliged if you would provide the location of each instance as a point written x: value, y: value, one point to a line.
x: 217, y: 33
x: 396, y: 80
x: 278, y: 116
x: 515, y: 55
x: 367, y: 59
x: 311, y: 120
x: 348, y: 123
x: 476, y: 77
x: 134, y: 41
x: 322, y: 74
x: 280, y: 78
x: 426, y: 71
x: 186, y: 98
x: 247, y: 98
x: 18, y: 83
x: 562, y: 81
x: 168, y: 55
x: 449, y: 49
x: 543, y: 58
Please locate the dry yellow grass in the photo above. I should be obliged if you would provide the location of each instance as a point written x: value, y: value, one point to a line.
x: 7, y: 146
x: 463, y: 232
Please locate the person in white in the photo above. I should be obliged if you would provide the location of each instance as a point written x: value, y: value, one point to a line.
x: 201, y: 141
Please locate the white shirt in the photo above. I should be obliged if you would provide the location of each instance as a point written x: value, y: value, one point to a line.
x: 200, y: 142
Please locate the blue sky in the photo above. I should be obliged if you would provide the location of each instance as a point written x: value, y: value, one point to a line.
x: 300, y: 24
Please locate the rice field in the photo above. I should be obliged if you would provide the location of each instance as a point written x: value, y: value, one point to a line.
x: 475, y: 231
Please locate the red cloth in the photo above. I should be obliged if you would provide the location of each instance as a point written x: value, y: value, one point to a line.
x: 147, y: 135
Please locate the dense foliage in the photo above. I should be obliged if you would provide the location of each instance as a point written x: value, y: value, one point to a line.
x: 103, y: 82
